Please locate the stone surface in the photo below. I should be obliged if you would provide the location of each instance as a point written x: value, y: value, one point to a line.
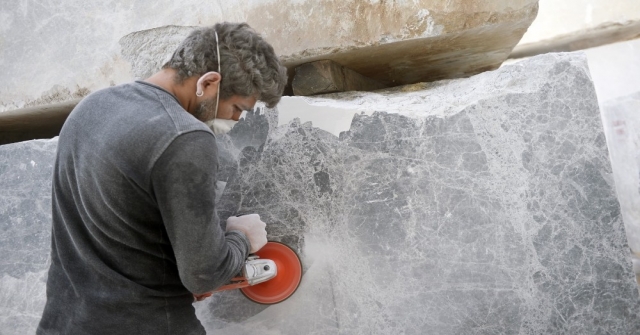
x: 25, y: 232
x: 581, y: 40
x: 325, y: 76
x: 475, y: 206
x: 75, y: 47
x: 149, y: 49
x: 571, y: 25
x: 568, y: 17
x: 392, y: 42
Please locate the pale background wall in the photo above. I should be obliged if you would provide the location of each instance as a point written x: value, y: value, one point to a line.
x: 615, y: 70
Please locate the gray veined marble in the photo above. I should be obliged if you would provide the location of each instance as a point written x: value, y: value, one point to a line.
x: 25, y: 232
x: 474, y: 206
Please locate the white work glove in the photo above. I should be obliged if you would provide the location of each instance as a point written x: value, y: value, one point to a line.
x: 252, y: 227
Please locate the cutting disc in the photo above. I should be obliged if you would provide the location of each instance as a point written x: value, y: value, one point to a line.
x: 285, y: 283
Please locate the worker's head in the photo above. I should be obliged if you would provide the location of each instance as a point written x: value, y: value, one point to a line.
x: 247, y: 70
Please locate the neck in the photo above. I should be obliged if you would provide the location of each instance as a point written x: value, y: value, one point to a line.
x: 184, y: 92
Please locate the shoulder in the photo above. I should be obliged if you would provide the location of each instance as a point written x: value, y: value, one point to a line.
x: 182, y: 121
x: 194, y: 149
x: 110, y: 100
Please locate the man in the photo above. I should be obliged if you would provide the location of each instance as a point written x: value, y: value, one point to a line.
x: 135, y: 234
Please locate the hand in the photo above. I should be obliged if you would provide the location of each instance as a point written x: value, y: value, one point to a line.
x: 252, y: 227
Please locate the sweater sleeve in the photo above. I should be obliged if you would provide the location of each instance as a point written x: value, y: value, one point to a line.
x: 183, y: 181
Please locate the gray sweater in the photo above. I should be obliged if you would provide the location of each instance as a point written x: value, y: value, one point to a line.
x: 135, y: 232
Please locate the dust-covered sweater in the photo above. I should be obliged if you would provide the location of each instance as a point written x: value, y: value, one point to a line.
x: 135, y: 232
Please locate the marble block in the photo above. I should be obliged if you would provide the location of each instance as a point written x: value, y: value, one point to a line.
x: 25, y: 232
x: 473, y: 206
x: 478, y: 206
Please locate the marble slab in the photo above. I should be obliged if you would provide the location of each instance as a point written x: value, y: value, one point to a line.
x: 475, y: 206
x: 495, y: 214
x: 25, y: 232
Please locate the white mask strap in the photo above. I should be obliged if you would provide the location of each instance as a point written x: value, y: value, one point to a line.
x: 220, y: 82
x: 199, y: 83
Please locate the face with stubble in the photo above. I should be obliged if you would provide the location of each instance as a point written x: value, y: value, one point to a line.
x: 228, y: 109
x: 206, y: 110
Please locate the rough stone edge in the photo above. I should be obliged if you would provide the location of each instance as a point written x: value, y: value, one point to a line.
x: 606, y: 33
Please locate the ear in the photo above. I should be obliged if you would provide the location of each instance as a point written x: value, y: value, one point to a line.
x: 208, y: 80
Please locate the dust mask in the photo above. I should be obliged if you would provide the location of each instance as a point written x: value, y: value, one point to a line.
x: 221, y: 126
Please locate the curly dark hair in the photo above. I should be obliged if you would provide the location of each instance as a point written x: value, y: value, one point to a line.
x: 248, y: 64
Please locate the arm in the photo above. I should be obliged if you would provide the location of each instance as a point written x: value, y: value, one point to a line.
x: 183, y: 181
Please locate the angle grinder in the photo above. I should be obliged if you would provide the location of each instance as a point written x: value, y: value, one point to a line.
x: 269, y: 276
